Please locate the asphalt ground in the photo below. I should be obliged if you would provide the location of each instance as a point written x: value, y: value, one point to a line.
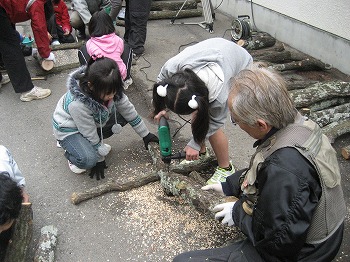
x: 137, y: 225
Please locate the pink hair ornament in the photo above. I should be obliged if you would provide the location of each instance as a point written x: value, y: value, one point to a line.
x: 193, y: 102
x: 95, y: 57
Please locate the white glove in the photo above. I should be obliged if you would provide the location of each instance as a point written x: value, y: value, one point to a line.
x: 224, y: 211
x: 104, y: 149
x: 51, y: 57
x: 215, y: 187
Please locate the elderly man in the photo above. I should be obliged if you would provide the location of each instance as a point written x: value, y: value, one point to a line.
x: 290, y: 202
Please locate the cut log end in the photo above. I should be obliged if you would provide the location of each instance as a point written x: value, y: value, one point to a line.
x: 345, y: 152
x: 47, y: 65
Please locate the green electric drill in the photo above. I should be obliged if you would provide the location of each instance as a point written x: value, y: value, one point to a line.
x: 165, y: 142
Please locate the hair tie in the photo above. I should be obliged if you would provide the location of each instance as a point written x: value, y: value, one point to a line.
x: 193, y: 102
x: 161, y: 90
x: 95, y: 57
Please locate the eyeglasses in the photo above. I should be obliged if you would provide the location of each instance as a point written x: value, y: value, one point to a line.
x: 233, y: 121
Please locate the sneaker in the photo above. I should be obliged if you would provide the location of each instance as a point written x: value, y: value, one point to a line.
x: 35, y: 93
x: 55, y: 42
x: 128, y: 82
x: 220, y: 175
x: 75, y: 169
x: 5, y: 79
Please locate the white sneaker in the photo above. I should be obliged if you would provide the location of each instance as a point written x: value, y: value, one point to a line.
x: 128, y: 82
x: 55, y: 42
x: 5, y: 79
x: 35, y: 93
x: 75, y: 169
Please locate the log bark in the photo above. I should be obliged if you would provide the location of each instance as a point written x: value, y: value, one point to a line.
x: 277, y: 47
x: 336, y: 129
x: 167, y: 14
x: 22, y: 235
x: 299, y: 84
x: 307, y: 64
x: 189, y: 190
x: 329, y: 103
x: 173, y: 5
x: 273, y: 57
x: 334, y: 114
x: 46, y: 245
x: 319, y: 92
x: 259, y: 41
x: 345, y: 152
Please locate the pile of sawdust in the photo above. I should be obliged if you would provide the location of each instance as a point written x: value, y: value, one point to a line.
x: 163, y: 226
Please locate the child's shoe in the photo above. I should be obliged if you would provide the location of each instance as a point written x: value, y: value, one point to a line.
x: 75, y: 169
x: 220, y: 175
x: 55, y: 42
x: 127, y: 83
x: 5, y: 79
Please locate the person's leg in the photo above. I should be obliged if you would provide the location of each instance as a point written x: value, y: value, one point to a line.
x: 62, y: 37
x: 138, y: 14
x: 83, y: 55
x: 78, y: 24
x: 51, y: 28
x: 116, y: 7
x: 79, y: 151
x: 219, y: 144
x: 12, y: 56
x: 127, y: 59
x: 241, y: 251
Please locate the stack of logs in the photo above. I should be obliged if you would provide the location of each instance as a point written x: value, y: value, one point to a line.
x: 324, y: 98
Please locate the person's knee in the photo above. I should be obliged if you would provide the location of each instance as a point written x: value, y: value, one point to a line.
x: 87, y: 161
x: 75, y: 20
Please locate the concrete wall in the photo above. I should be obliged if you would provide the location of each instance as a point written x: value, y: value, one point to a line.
x: 316, y: 27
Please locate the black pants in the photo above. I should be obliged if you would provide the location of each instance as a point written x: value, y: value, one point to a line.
x: 126, y: 57
x: 12, y: 55
x: 57, y: 32
x: 241, y: 251
x: 136, y: 17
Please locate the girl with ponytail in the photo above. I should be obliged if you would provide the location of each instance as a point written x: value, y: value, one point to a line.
x: 196, y: 82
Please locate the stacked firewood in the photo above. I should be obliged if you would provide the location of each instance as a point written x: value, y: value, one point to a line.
x: 318, y: 90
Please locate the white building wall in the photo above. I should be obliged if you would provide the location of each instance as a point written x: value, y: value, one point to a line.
x: 316, y: 27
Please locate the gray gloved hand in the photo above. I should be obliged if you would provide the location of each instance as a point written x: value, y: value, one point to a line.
x: 215, y: 187
x: 51, y: 57
x: 224, y: 212
x: 150, y: 138
x: 98, y: 170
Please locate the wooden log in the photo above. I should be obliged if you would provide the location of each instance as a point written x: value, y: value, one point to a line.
x: 299, y: 84
x: 307, y: 64
x: 65, y: 46
x: 277, y: 47
x: 336, y: 129
x: 345, y: 152
x: 114, y: 185
x: 317, y: 106
x: 191, y: 192
x: 22, y: 235
x: 273, y: 57
x: 333, y: 114
x: 320, y: 91
x: 204, y: 163
x: 173, y: 5
x: 258, y: 41
x: 46, y: 245
x: 167, y: 14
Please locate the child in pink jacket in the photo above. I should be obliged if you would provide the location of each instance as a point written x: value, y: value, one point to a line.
x: 104, y: 41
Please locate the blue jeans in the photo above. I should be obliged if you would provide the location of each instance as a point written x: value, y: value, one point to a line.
x: 79, y: 151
